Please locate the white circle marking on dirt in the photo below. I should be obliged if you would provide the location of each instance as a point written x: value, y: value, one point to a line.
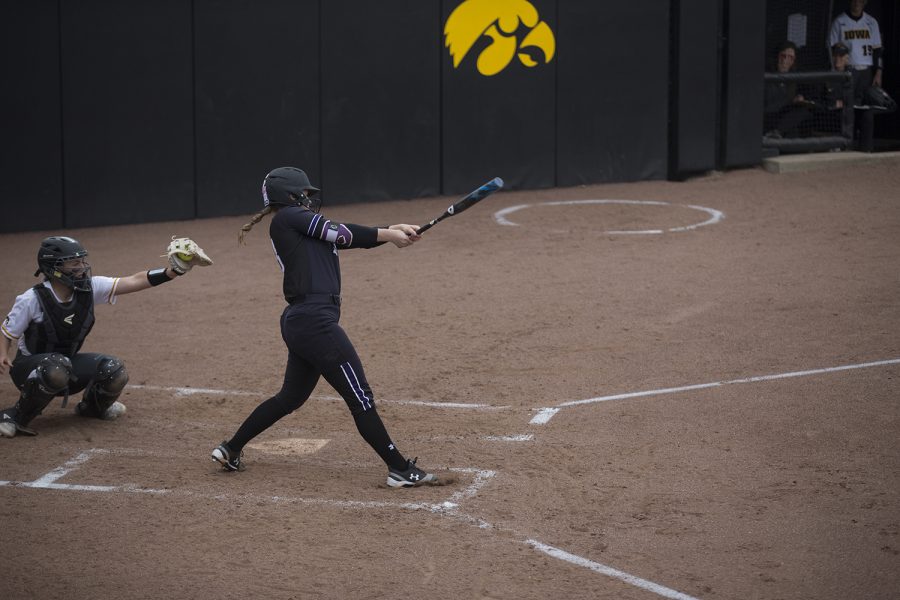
x: 714, y: 215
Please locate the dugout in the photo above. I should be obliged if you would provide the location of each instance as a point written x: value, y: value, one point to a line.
x: 124, y: 112
x: 807, y: 23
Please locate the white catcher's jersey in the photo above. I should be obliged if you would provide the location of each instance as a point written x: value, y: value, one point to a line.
x: 860, y: 36
x: 27, y: 308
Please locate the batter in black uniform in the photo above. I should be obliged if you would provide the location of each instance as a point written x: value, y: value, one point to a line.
x: 306, y: 247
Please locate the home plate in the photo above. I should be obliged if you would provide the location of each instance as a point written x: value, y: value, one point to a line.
x: 289, y: 446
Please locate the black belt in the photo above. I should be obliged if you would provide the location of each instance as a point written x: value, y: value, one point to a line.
x: 300, y: 299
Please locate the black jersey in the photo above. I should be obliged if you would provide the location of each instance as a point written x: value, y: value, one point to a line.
x: 306, y: 246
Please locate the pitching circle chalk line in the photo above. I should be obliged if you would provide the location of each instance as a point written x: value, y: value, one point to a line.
x: 714, y: 215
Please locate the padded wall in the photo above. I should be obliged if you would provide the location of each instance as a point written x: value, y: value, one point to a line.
x: 743, y: 94
x: 257, y: 97
x: 127, y: 111
x: 499, y: 124
x: 613, y: 91
x: 380, y: 100
x: 695, y: 89
x: 31, y: 192
x: 889, y: 22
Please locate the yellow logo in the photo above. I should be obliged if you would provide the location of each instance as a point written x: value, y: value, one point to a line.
x: 499, y: 20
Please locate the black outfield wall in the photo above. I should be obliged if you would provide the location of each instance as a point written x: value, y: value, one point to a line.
x: 380, y: 90
x: 127, y: 111
x: 501, y: 124
x: 256, y: 103
x: 613, y: 86
x: 31, y: 185
x: 695, y: 62
x: 744, y: 52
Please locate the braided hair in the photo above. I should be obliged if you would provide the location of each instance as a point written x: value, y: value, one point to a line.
x: 254, y: 220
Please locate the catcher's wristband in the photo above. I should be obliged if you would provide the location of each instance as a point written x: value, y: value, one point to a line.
x: 158, y: 276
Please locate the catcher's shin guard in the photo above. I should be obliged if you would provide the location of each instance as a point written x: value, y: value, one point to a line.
x: 49, y: 379
x: 105, y: 388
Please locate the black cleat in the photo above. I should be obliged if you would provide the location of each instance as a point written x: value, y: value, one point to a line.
x: 411, y: 476
x: 9, y: 427
x: 227, y: 458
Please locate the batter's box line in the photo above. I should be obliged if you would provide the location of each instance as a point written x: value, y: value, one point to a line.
x: 190, y: 391
x: 49, y: 481
x: 448, y: 508
x: 544, y: 415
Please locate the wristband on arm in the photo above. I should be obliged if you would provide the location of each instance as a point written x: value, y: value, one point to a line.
x: 157, y: 276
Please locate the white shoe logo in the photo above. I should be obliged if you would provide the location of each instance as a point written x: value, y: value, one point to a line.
x: 390, y: 446
x: 69, y: 318
x: 414, y: 476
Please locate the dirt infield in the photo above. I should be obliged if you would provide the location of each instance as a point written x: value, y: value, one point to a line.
x: 709, y: 411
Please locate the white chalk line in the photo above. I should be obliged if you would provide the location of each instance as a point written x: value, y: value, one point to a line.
x: 462, y: 405
x: 48, y: 481
x: 522, y: 437
x: 714, y: 215
x: 609, y: 571
x: 545, y: 414
x: 482, y: 476
x: 191, y: 391
x: 449, y: 508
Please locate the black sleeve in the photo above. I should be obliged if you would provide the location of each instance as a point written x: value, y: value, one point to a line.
x: 876, y: 57
x: 344, y: 235
x: 361, y: 236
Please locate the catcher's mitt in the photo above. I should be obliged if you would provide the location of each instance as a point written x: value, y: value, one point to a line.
x: 184, y: 254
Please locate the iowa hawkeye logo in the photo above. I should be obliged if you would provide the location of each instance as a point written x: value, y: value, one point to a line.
x: 515, y: 30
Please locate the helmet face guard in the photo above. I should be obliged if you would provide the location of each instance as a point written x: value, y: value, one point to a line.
x: 307, y: 200
x: 289, y: 186
x: 52, y: 256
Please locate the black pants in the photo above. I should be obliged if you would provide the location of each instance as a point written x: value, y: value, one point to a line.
x: 319, y: 347
x: 862, y: 81
x: 32, y: 402
x: 84, y: 367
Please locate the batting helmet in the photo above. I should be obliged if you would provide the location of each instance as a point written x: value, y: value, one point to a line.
x: 288, y: 186
x: 56, y: 250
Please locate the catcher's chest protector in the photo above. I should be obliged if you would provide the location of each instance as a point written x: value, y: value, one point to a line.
x: 64, y: 327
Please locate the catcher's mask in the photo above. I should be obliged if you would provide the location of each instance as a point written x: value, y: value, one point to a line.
x: 54, y: 253
x: 289, y: 186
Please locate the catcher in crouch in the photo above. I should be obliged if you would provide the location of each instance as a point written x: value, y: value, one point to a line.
x: 50, y: 321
